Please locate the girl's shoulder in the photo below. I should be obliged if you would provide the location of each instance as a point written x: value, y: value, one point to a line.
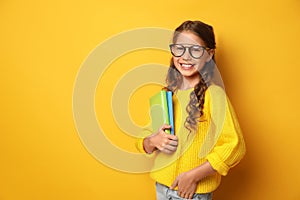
x: 215, y: 96
x: 213, y: 90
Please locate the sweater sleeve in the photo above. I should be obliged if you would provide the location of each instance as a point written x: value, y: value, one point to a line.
x: 230, y: 147
x: 139, y: 141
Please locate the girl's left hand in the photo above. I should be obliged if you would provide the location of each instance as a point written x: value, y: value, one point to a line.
x: 186, y: 185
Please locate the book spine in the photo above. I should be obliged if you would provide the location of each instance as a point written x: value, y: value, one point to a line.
x: 170, y: 111
x: 164, y: 103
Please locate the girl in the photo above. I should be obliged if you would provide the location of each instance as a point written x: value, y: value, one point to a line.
x: 207, y: 140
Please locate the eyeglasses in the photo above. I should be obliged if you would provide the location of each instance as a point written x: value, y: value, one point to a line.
x: 195, y: 51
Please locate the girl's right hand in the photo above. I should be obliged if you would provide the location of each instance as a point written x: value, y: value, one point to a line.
x: 164, y: 142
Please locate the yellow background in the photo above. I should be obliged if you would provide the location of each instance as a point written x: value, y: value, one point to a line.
x: 43, y: 44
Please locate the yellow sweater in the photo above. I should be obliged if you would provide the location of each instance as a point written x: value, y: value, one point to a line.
x: 218, y: 140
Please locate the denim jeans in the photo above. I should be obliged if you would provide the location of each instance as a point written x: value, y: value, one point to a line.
x: 164, y: 193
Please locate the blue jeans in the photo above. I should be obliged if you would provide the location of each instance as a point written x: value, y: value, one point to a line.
x: 164, y: 193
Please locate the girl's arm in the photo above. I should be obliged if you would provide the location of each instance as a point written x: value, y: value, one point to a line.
x: 228, y: 150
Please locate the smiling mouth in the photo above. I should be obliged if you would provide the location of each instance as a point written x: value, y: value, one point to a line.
x: 186, y: 66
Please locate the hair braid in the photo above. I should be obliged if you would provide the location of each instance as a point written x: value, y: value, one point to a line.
x: 195, y: 106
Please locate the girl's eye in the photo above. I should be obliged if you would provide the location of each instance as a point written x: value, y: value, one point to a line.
x: 179, y: 48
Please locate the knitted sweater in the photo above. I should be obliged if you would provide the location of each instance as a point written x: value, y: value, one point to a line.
x: 218, y: 140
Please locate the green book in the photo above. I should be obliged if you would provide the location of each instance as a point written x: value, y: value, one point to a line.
x: 159, y: 110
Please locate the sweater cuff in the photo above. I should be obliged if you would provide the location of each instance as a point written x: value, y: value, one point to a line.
x: 139, y: 145
x: 217, y: 164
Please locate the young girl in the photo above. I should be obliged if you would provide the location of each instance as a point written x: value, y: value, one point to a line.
x: 207, y: 140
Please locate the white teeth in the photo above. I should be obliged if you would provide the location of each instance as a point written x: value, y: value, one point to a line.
x: 186, y: 65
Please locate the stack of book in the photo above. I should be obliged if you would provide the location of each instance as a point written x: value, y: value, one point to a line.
x: 161, y: 111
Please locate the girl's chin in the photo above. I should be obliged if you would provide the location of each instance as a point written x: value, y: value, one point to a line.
x: 188, y: 72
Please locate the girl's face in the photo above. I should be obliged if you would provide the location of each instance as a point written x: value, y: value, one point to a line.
x: 186, y: 64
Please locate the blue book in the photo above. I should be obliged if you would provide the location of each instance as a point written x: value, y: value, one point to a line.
x: 170, y: 111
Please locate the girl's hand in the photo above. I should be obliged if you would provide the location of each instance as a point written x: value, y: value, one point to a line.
x: 164, y: 142
x: 186, y: 185
x: 187, y: 182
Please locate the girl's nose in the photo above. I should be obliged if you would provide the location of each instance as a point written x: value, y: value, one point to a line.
x: 186, y: 55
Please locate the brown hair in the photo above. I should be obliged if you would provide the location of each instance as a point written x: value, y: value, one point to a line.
x: 174, y: 78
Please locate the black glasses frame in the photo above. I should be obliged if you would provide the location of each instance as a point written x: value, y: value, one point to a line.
x: 189, y: 50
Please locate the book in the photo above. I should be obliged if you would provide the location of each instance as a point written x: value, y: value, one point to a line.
x: 170, y: 110
x: 161, y: 110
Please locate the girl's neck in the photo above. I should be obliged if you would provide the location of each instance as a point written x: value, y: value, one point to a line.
x: 189, y: 82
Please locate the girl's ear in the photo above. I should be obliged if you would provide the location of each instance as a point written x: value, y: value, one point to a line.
x: 211, y: 53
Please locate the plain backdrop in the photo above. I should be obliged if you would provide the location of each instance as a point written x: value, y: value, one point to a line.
x: 44, y: 43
